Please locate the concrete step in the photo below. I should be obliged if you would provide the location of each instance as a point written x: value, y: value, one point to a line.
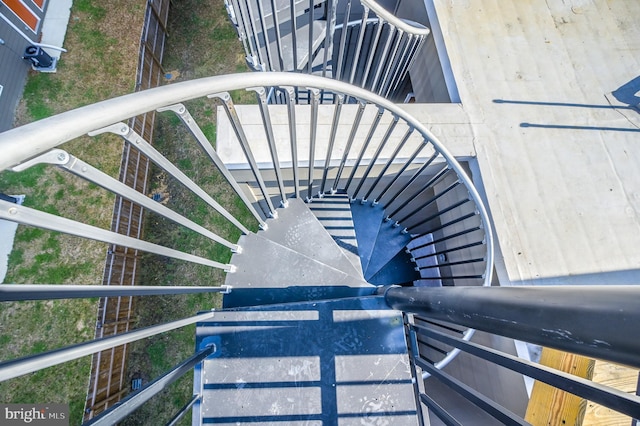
x: 298, y: 229
x: 302, y: 45
x: 334, y: 214
x: 283, y: 10
x: 267, y: 273
x: 331, y: 362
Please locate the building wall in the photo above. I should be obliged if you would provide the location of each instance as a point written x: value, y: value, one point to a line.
x: 16, y: 34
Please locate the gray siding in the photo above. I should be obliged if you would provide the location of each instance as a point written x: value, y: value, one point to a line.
x: 13, y: 69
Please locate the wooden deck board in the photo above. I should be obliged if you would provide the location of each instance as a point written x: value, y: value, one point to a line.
x: 617, y: 376
x: 551, y: 406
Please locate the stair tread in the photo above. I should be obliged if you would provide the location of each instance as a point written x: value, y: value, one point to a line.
x: 425, y: 264
x: 265, y: 265
x: 399, y: 270
x: 334, y: 214
x: 298, y: 229
x: 389, y: 242
x: 315, y: 361
x: 366, y: 220
x: 302, y: 44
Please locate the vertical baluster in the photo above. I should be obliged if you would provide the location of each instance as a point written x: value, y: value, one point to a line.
x: 448, y: 189
x: 154, y: 155
x: 449, y: 223
x: 372, y: 54
x: 265, y: 35
x: 365, y: 145
x: 412, y: 346
x: 407, y: 67
x: 400, y: 172
x: 290, y: 95
x: 331, y: 24
x: 85, y: 171
x: 390, y: 63
x: 315, y: 95
x: 242, y: 29
x: 381, y: 146
x: 352, y: 135
x: 248, y: 10
x: 383, y: 58
x: 181, y: 111
x: 403, y: 141
x: 403, y: 59
x: 268, y: 129
x: 294, y: 35
x: 356, y: 56
x: 310, y: 55
x: 276, y: 26
x: 451, y: 237
x: 343, y: 41
x: 332, y: 138
x: 441, y: 212
x: 230, y: 109
x: 413, y: 178
x: 27, y: 216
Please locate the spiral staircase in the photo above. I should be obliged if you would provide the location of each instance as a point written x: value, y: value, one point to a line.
x: 361, y: 42
x: 371, y: 269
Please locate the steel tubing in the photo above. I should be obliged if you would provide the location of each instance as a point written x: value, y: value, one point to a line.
x: 29, y: 364
x: 18, y: 292
x: 594, y: 321
x: 132, y: 402
x: 181, y: 111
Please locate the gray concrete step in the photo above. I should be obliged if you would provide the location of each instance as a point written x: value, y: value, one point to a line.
x: 268, y: 273
x: 330, y: 362
x: 302, y: 45
x: 298, y: 229
x: 334, y: 214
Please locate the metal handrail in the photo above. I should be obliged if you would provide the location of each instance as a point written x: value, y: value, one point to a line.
x: 20, y: 292
x: 22, y: 144
x: 29, y: 364
x: 259, y: 26
x: 132, y: 402
x: 405, y: 25
x: 593, y: 321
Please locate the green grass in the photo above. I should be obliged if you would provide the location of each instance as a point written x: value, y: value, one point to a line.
x: 202, y: 44
x: 90, y: 8
x: 93, y: 69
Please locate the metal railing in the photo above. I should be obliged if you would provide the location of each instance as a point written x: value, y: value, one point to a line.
x: 404, y: 169
x: 356, y: 41
x: 594, y: 321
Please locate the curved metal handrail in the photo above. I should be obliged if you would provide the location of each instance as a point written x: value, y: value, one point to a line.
x: 23, y: 143
x: 405, y: 25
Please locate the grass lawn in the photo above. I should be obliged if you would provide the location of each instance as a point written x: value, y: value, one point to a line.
x: 200, y: 45
x: 94, y: 68
x: 101, y: 63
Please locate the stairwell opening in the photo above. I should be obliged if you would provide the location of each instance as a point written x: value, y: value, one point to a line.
x: 431, y: 78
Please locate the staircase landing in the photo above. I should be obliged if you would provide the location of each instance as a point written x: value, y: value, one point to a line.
x: 331, y: 362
